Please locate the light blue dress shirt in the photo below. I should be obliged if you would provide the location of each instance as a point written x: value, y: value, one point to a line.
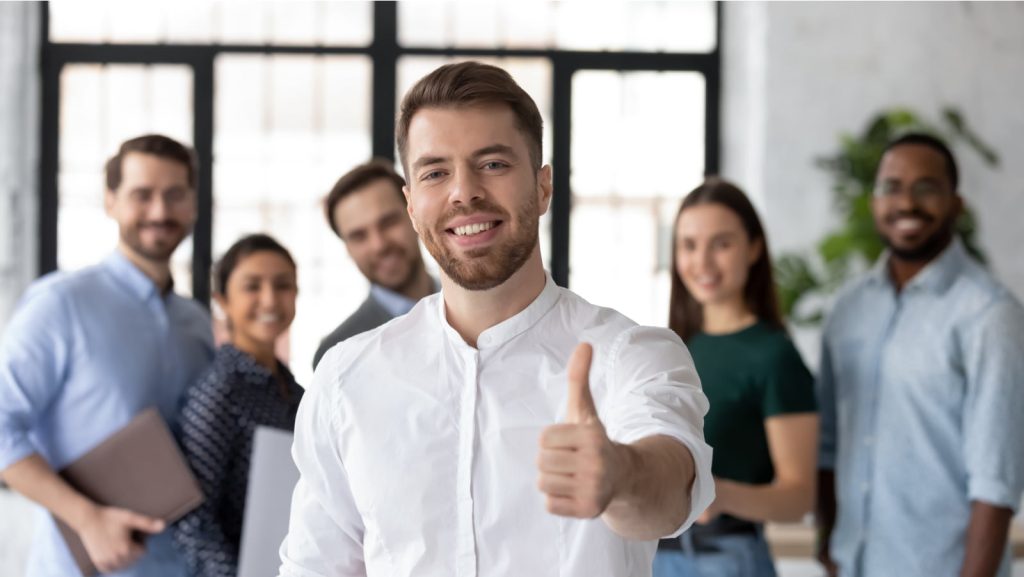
x: 396, y: 303
x: 922, y: 412
x: 83, y: 354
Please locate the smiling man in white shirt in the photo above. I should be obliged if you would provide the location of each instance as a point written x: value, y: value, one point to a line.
x: 504, y: 426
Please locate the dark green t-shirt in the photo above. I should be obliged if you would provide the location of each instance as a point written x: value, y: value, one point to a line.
x: 749, y: 376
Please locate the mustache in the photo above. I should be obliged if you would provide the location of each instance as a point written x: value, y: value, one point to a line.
x: 161, y: 224
x: 892, y: 217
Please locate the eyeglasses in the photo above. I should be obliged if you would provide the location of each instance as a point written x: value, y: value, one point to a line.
x: 921, y: 190
x: 174, y: 196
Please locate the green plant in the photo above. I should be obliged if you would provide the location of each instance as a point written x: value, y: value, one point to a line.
x: 804, y: 280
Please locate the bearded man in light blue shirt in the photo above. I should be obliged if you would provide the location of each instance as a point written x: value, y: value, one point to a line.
x: 921, y: 392
x: 86, y: 351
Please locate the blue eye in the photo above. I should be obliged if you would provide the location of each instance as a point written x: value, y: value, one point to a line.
x: 495, y: 165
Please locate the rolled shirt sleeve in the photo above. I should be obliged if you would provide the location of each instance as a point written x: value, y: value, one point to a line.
x: 655, y: 390
x: 325, y: 533
x: 993, y: 350
x: 34, y: 355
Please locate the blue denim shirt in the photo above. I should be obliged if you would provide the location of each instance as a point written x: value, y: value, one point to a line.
x: 922, y: 408
x: 83, y: 353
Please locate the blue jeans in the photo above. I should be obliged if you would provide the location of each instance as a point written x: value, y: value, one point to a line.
x: 734, y: 556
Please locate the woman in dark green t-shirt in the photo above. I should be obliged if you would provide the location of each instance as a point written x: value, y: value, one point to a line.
x: 762, y: 421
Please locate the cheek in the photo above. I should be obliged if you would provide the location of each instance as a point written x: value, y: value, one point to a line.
x: 683, y: 262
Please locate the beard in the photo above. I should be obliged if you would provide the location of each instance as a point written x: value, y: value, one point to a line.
x: 413, y: 267
x: 485, y: 268
x: 160, y: 250
x: 928, y: 248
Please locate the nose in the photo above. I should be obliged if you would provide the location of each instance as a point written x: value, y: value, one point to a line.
x: 705, y: 257
x: 466, y: 187
x: 158, y: 209
x: 375, y: 240
x: 268, y: 297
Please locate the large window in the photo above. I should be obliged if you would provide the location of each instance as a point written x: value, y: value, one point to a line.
x: 281, y: 98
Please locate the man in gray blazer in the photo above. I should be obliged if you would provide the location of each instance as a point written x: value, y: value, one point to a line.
x: 366, y: 209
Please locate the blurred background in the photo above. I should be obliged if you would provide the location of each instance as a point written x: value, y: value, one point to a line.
x: 640, y: 100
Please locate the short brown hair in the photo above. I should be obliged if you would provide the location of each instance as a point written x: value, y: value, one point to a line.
x: 157, y: 145
x: 358, y: 177
x: 467, y: 84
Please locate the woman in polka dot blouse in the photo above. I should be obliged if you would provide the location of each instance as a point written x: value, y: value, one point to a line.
x: 247, y: 386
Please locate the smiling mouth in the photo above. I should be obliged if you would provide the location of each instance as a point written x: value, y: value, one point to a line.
x: 473, y: 229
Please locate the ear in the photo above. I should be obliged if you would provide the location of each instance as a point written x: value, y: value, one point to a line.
x: 756, y: 249
x: 408, y: 206
x: 221, y: 301
x: 108, y: 202
x: 545, y: 188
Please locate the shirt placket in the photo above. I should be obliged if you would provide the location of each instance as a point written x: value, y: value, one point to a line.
x: 870, y: 423
x: 465, y: 557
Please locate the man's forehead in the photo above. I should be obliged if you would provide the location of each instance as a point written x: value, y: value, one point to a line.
x: 912, y: 159
x: 464, y: 129
x: 368, y: 203
x: 145, y: 165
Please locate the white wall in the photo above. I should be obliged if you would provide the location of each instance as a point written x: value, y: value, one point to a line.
x: 796, y: 75
x: 19, y: 145
x: 19, y: 122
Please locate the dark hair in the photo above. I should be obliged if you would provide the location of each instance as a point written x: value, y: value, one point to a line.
x: 467, y: 84
x: 242, y: 248
x: 934, y: 143
x: 686, y: 316
x: 157, y: 145
x: 358, y: 177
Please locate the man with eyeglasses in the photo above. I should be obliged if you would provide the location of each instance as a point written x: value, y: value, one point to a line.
x: 921, y: 392
x: 86, y: 351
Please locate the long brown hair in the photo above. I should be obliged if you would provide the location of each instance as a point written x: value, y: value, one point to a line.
x: 686, y: 315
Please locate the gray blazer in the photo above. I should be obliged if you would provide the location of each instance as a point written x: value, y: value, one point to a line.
x: 369, y: 315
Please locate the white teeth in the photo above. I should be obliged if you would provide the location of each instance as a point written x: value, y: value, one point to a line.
x: 908, y: 224
x: 473, y: 228
x: 268, y: 318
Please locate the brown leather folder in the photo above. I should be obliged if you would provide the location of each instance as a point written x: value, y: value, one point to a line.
x: 138, y: 468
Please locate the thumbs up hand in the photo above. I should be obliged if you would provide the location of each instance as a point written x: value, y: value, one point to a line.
x: 581, y: 469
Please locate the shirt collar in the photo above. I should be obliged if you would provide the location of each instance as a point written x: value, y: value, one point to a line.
x: 129, y: 275
x: 936, y: 276
x: 506, y: 330
x: 395, y: 303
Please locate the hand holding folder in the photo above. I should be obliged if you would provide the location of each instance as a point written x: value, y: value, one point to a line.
x: 138, y: 471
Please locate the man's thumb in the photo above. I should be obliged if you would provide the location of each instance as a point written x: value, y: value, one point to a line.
x: 580, y: 404
x: 145, y: 524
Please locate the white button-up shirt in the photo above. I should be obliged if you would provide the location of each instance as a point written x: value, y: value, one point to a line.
x: 417, y: 452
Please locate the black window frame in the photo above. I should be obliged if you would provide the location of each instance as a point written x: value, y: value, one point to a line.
x: 384, y: 52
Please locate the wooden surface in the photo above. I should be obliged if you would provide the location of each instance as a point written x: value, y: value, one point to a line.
x: 797, y: 540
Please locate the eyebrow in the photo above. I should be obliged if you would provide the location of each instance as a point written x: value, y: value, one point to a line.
x: 424, y: 161
x: 495, y: 149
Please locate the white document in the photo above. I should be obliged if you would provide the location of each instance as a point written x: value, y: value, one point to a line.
x: 268, y: 501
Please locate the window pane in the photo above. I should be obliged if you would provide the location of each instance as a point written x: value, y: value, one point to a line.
x: 533, y: 74
x: 285, y: 22
x: 287, y: 127
x: 663, y: 26
x: 638, y: 147
x: 100, y: 107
